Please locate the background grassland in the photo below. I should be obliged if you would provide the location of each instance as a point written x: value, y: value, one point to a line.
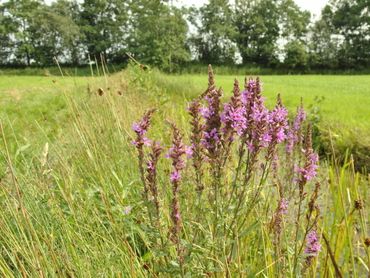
x: 67, y: 152
x: 347, y: 98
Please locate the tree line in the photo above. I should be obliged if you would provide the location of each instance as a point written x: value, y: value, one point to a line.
x: 266, y: 33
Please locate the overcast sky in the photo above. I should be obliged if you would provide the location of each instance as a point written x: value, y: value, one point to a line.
x: 314, y: 6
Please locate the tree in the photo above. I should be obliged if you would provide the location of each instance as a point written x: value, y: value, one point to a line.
x: 293, y: 21
x: 340, y: 38
x: 7, y: 27
x: 68, y: 13
x: 323, y: 44
x: 53, y: 35
x: 158, y: 40
x: 295, y: 55
x: 257, y: 22
x: 215, y: 40
x: 351, y: 20
x: 36, y: 32
x: 104, y: 26
x: 20, y: 19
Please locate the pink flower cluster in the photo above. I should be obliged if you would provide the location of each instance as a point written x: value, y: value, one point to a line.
x: 211, y: 114
x: 278, y: 123
x: 176, y: 153
x: 283, y: 206
x: 293, y: 136
x: 309, y: 171
x: 235, y: 118
x: 141, y: 129
x: 313, y: 245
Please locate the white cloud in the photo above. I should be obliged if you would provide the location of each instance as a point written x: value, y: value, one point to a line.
x: 314, y: 6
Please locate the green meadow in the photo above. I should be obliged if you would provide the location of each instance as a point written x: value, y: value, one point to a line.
x: 346, y: 99
x: 340, y: 104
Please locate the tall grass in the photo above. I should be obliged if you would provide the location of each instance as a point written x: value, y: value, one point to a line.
x: 76, y: 208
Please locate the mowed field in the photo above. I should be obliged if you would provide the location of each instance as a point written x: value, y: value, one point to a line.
x: 347, y: 98
x: 345, y: 101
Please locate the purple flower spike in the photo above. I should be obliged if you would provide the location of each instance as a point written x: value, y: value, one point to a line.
x: 141, y: 129
x: 313, y: 245
x: 233, y: 116
x: 283, y: 206
x: 309, y: 170
x: 278, y: 122
x: 176, y: 154
x: 175, y: 176
x: 294, y: 132
x: 211, y: 115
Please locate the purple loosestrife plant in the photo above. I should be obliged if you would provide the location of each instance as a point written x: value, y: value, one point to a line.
x: 257, y: 118
x: 281, y: 210
x: 141, y: 129
x: 233, y: 116
x: 248, y: 99
x: 211, y: 114
x: 294, y: 142
x: 294, y: 132
x: 278, y: 125
x: 309, y: 170
x: 196, y: 139
x: 151, y: 176
x: 313, y: 246
x: 177, y: 154
x: 235, y: 150
x: 305, y: 174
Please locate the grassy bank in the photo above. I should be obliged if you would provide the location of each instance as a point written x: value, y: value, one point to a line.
x: 72, y: 199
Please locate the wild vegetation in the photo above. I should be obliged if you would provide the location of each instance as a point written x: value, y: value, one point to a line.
x: 100, y: 197
x: 267, y: 34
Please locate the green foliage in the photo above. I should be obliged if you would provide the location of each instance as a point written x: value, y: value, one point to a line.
x: 36, y: 32
x: 104, y: 25
x: 351, y: 20
x: 258, y: 27
x: 158, y: 35
x: 340, y: 37
x: 294, y: 21
x: 296, y: 55
x: 216, y: 33
x: 323, y: 47
x: 258, y: 33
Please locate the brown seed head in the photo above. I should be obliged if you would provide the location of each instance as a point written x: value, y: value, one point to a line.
x: 359, y: 204
x: 367, y: 242
x: 100, y: 92
x: 211, y: 77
